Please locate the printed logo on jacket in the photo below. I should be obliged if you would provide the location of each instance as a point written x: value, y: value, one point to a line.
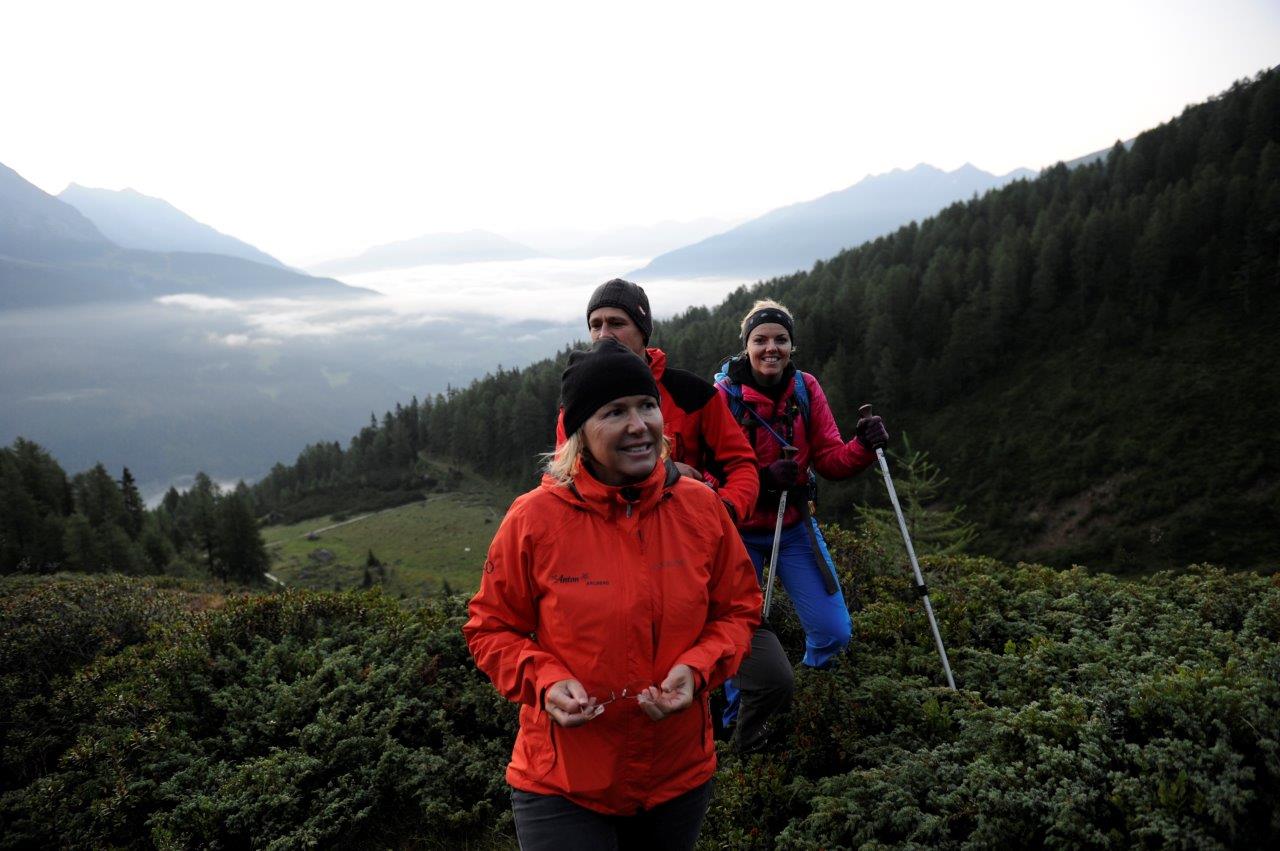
x: 583, y: 578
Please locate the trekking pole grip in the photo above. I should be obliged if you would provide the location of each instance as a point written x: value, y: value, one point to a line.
x: 864, y: 411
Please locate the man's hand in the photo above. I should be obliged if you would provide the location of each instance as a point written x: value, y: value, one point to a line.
x: 569, y: 705
x: 674, y: 695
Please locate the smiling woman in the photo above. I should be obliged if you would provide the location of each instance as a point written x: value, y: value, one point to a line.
x: 614, y: 598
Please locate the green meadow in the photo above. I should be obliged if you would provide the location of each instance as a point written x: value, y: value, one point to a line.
x: 420, y: 546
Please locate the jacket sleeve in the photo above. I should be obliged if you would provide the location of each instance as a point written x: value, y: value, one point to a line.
x: 504, y: 619
x: 832, y: 457
x: 729, y: 445
x: 732, y: 614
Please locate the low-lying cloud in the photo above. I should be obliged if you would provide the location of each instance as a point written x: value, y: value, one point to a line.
x: 486, y: 298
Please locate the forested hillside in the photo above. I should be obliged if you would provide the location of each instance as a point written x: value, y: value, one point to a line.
x: 1088, y: 355
x: 93, y: 523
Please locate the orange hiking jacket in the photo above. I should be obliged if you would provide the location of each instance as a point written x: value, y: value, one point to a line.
x: 581, y: 583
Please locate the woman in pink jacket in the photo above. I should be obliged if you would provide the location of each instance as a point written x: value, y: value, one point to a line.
x: 781, y: 408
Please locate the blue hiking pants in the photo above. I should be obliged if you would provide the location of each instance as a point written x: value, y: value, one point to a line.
x: 825, y: 617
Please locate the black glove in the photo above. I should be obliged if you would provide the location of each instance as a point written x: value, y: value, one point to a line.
x: 872, y: 433
x: 780, y: 475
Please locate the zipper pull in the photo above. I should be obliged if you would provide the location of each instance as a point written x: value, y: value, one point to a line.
x: 628, y: 510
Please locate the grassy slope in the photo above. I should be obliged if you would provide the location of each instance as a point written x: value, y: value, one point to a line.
x: 422, y: 545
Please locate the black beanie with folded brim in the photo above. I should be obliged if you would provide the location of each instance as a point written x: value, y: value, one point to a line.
x: 606, y: 371
x: 630, y: 298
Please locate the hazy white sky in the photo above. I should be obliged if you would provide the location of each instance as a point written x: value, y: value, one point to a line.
x: 316, y: 129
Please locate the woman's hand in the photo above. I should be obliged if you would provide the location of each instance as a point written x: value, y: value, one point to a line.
x: 780, y: 475
x: 569, y: 705
x: 871, y: 432
x: 675, y: 694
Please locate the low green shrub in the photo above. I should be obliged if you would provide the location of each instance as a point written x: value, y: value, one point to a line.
x: 294, y: 720
x: 1092, y: 712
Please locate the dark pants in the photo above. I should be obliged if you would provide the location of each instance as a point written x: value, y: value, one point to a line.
x: 764, y: 683
x: 551, y: 822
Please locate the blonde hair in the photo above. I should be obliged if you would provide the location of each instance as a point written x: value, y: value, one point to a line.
x: 565, y: 462
x: 762, y: 304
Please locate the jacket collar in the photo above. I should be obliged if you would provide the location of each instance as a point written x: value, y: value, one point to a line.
x: 740, y: 371
x: 610, y: 501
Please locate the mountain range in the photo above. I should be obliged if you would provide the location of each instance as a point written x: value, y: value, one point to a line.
x: 794, y: 237
x: 133, y: 220
x: 624, y: 241
x: 465, y: 247
x: 52, y: 254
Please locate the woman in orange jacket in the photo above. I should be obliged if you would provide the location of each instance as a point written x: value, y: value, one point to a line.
x: 614, y: 597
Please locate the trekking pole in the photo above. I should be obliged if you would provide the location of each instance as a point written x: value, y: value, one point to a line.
x: 922, y: 590
x: 787, y: 452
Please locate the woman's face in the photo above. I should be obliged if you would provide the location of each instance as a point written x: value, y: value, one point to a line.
x: 623, y: 439
x: 769, y: 350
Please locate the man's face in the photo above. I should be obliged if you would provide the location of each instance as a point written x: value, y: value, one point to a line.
x: 613, y: 323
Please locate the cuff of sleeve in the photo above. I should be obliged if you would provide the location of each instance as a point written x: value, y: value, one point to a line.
x: 696, y: 663
x: 550, y: 674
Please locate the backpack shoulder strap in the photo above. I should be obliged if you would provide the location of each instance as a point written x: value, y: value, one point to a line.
x: 802, y: 396
x: 733, y: 389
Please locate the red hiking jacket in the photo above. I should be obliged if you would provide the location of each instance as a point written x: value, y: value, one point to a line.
x: 702, y: 434
x: 582, y: 584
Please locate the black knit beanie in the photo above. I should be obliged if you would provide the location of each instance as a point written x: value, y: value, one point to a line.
x: 627, y: 297
x: 607, y: 371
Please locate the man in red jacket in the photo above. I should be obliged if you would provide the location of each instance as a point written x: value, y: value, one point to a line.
x: 706, y: 444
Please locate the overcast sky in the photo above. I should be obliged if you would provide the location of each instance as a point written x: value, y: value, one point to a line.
x: 314, y: 130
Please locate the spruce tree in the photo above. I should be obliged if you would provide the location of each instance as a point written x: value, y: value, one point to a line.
x: 241, y: 555
x: 934, y: 529
x: 134, y: 508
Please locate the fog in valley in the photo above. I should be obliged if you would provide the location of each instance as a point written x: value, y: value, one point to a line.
x: 189, y: 382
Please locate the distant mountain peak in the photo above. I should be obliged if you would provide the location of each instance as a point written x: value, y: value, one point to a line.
x: 469, y: 246
x: 796, y: 236
x: 133, y: 219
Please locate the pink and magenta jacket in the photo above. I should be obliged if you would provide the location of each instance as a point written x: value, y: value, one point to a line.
x: 820, y: 444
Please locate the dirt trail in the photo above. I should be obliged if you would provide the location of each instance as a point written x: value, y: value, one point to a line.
x: 307, y: 534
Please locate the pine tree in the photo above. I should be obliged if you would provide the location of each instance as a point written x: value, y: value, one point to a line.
x: 200, y: 510
x: 134, y: 509
x: 934, y: 529
x: 241, y: 554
